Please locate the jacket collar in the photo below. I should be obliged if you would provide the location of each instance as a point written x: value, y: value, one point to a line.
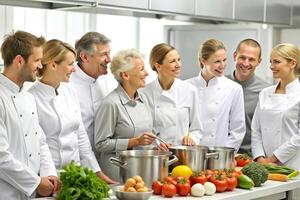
x: 243, y: 83
x: 211, y: 82
x: 82, y: 75
x: 46, y: 90
x: 159, y: 89
x: 12, y: 86
x: 292, y: 87
x: 124, y: 97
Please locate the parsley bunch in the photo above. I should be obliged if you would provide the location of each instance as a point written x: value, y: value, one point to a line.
x: 81, y: 183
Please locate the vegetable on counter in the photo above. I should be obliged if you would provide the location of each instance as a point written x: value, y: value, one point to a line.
x: 245, y: 182
x: 279, y: 169
x: 277, y: 177
x: 197, y: 190
x: 257, y: 172
x: 81, y: 183
x: 242, y: 160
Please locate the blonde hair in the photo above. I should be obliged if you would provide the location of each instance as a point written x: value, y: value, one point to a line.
x: 54, y: 50
x: 123, y: 62
x: 289, y: 52
x: 208, y: 48
x: 158, y: 54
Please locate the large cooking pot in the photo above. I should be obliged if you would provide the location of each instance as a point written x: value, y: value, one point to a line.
x: 193, y: 156
x: 149, y: 164
x: 225, y: 160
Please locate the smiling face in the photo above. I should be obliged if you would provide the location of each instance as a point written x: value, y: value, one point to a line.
x: 246, y: 61
x: 66, y: 67
x: 96, y: 63
x: 281, y: 67
x: 30, y: 68
x: 137, y: 75
x: 170, y: 66
x: 215, y: 64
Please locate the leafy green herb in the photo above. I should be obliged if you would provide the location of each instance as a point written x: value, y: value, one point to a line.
x: 81, y: 183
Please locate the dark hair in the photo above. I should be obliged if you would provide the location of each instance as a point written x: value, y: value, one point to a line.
x: 19, y: 43
x: 249, y: 42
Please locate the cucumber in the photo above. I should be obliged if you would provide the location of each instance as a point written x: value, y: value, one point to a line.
x: 245, y: 182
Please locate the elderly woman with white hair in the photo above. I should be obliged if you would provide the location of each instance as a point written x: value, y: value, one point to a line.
x: 123, y: 120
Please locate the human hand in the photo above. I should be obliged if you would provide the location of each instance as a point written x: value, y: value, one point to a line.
x: 163, y: 146
x: 45, y: 187
x: 56, y: 183
x: 188, y: 141
x: 146, y: 138
x: 266, y: 160
x: 105, y: 178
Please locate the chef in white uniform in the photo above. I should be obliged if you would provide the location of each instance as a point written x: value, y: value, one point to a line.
x: 88, y: 80
x: 59, y: 110
x: 221, y: 99
x: 26, y: 166
x: 123, y: 120
x: 275, y: 128
x: 173, y: 102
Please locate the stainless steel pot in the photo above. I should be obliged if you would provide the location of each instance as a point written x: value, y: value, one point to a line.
x: 149, y: 164
x: 225, y: 160
x: 193, y: 156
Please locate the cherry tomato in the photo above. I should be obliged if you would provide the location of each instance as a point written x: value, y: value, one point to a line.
x: 198, y: 177
x: 169, y: 179
x: 232, y: 183
x: 219, y: 181
x: 183, y: 187
x: 169, y: 190
x: 157, y: 187
x: 208, y: 173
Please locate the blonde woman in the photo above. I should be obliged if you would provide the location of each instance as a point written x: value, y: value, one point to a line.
x: 221, y: 100
x: 275, y: 126
x: 173, y: 102
x: 59, y: 111
x: 123, y: 120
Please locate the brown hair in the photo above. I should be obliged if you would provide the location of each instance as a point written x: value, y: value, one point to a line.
x: 158, y: 54
x: 249, y: 42
x: 54, y: 50
x: 208, y: 48
x: 19, y: 43
x: 289, y: 52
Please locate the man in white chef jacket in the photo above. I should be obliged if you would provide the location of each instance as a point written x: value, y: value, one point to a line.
x: 93, y: 56
x: 26, y: 165
x: 247, y: 57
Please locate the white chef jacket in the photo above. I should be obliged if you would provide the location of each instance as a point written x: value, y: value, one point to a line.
x: 90, y: 91
x: 221, y: 111
x: 61, y: 121
x: 23, y: 150
x: 276, y: 125
x: 175, y: 111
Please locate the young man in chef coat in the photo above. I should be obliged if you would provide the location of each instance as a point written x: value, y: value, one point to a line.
x: 247, y: 57
x: 93, y: 56
x: 26, y: 165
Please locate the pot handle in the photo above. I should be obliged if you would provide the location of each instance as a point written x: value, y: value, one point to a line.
x: 117, y: 162
x: 214, y: 155
x: 173, y: 160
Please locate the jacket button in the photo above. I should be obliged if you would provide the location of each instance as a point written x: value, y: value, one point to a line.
x: 21, y: 115
x: 32, y: 113
x: 36, y: 133
x: 26, y: 135
x: 29, y: 155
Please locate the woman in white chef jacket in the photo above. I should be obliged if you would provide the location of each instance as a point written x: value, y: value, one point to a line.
x: 221, y: 100
x: 275, y: 125
x: 174, y: 103
x: 59, y: 111
x: 123, y: 120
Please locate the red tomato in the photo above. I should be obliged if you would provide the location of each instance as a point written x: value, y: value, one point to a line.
x: 232, y: 183
x: 198, y: 177
x: 208, y: 173
x: 169, y: 190
x: 183, y: 187
x: 242, y: 160
x: 157, y: 187
x: 219, y: 181
x: 169, y: 179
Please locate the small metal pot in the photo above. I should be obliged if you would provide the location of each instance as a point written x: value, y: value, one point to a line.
x: 225, y: 160
x: 149, y: 164
x: 193, y: 156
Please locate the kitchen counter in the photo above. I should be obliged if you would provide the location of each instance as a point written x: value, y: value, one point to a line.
x: 270, y: 190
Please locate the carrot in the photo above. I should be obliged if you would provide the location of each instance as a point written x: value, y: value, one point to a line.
x: 277, y: 177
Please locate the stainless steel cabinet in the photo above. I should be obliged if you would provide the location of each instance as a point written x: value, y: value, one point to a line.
x: 249, y: 10
x: 174, y: 6
x: 215, y: 8
x: 139, y: 4
x: 278, y: 11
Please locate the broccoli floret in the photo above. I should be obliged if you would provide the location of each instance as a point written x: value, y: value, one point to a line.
x: 257, y: 172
